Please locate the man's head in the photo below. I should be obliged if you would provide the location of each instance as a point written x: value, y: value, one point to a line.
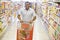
x: 27, y: 5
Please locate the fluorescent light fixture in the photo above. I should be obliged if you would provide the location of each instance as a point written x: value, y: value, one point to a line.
x: 30, y: 0
x: 15, y: 0
x: 24, y: 0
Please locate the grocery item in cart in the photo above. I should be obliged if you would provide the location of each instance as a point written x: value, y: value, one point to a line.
x: 25, y: 32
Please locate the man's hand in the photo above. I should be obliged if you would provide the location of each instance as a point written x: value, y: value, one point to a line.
x: 30, y: 22
x: 34, y: 18
x: 19, y: 17
x: 21, y: 21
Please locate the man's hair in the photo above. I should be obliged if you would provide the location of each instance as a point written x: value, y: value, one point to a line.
x: 27, y: 2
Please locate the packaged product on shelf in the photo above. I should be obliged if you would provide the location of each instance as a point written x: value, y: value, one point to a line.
x: 6, y: 5
x: 3, y: 24
x: 53, y: 37
x: 0, y: 26
x: 58, y: 28
x: 57, y: 33
x: 58, y: 37
x: 55, y: 25
x: 51, y: 21
x: 0, y: 6
x: 45, y: 11
x: 3, y: 5
x: 38, y: 9
x: 51, y: 32
x: 1, y: 17
x: 54, y: 9
x: 33, y: 5
x: 58, y: 15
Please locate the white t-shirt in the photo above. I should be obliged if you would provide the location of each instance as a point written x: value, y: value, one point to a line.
x: 26, y: 15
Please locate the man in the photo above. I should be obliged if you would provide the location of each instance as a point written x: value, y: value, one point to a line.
x: 26, y: 14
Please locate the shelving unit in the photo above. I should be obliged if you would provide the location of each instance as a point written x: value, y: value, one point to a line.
x: 53, y: 22
x: 3, y: 23
x: 51, y: 18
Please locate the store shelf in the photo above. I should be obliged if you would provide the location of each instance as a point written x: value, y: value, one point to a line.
x: 55, y: 20
x: 3, y: 31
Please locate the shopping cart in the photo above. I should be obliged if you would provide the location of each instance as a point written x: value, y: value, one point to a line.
x: 25, y: 32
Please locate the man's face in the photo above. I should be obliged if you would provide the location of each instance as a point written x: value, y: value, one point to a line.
x: 27, y: 5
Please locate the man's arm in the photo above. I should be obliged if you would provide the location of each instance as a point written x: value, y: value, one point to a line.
x: 34, y: 18
x: 19, y: 17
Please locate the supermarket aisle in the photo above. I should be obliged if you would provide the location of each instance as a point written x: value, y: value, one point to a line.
x: 10, y: 33
x: 40, y: 31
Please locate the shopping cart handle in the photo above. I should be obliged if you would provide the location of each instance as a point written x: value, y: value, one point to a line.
x: 26, y: 22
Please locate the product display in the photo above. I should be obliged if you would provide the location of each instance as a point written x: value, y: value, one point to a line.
x: 3, y: 19
x: 51, y: 14
x: 53, y: 21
